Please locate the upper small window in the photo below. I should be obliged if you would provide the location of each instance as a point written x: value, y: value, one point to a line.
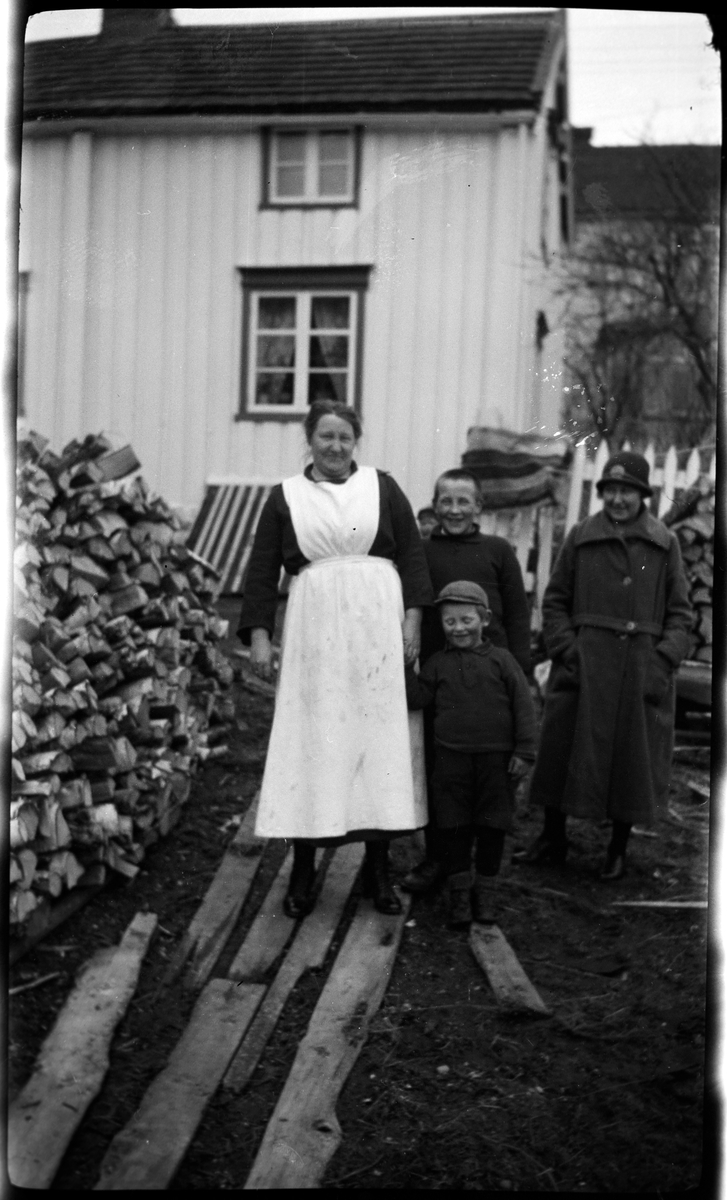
x: 311, y: 167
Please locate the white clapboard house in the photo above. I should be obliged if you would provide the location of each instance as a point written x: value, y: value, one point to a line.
x: 221, y: 223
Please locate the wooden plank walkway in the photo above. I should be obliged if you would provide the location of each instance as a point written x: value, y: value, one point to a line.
x: 74, y: 1059
x: 147, y: 1152
x: 217, y: 915
x: 308, y: 950
x: 303, y: 1132
x: 232, y: 1023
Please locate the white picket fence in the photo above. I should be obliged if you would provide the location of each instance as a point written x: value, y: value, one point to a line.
x: 530, y: 530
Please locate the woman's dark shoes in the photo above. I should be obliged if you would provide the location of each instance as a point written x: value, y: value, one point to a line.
x: 614, y: 867
x: 301, y: 896
x: 542, y: 850
x: 375, y: 882
x: 297, y: 906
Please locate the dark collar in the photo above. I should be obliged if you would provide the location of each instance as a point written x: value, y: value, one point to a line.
x: 600, y: 528
x: 308, y: 472
x: 484, y: 647
x: 440, y: 534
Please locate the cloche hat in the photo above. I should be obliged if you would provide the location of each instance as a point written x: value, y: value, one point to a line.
x: 463, y: 592
x: 626, y: 467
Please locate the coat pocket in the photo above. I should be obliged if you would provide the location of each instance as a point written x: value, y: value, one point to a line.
x: 657, y: 679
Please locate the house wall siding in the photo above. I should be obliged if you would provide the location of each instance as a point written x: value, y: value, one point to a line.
x: 133, y: 245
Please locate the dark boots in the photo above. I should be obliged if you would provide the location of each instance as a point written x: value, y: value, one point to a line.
x: 375, y: 878
x: 483, y: 899
x: 300, y: 897
x: 460, y: 900
x: 551, y: 846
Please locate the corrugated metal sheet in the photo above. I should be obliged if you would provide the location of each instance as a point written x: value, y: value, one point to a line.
x: 134, y: 326
x: 224, y: 529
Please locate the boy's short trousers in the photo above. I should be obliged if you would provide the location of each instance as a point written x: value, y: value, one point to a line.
x: 472, y: 789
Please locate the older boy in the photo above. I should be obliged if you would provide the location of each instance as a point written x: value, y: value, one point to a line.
x: 457, y: 550
x: 484, y: 735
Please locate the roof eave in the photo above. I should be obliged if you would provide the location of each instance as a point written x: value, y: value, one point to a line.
x: 134, y: 121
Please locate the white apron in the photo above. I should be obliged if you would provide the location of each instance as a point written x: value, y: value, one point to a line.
x: 340, y: 756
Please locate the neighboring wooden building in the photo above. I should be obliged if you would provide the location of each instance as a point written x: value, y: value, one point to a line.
x: 649, y: 214
x: 219, y: 223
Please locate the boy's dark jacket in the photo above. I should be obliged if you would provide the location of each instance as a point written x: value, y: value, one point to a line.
x: 481, y: 699
x: 489, y: 561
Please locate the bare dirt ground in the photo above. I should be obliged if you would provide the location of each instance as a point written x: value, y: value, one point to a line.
x: 449, y: 1091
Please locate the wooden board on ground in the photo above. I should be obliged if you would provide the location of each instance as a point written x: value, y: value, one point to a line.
x: 268, y: 934
x: 659, y: 903
x: 74, y: 1059
x: 147, y: 1152
x: 303, y: 1132
x: 216, y: 916
x: 507, y: 978
x: 308, y: 950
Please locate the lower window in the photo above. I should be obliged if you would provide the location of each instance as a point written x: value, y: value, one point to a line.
x: 301, y: 338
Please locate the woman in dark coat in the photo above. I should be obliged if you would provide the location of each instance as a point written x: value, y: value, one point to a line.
x: 616, y: 619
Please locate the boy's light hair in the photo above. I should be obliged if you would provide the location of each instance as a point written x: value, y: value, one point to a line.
x: 458, y: 473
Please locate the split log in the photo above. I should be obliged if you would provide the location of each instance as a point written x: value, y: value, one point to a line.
x: 118, y: 463
x: 76, y: 793
x: 22, y: 904
x: 26, y: 861
x: 47, y: 760
x: 53, y: 832
x: 24, y: 820
x: 36, y: 787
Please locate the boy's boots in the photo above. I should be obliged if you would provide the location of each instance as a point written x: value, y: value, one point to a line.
x: 483, y: 899
x: 460, y: 902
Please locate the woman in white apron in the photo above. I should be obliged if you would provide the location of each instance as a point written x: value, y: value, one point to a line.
x: 340, y: 765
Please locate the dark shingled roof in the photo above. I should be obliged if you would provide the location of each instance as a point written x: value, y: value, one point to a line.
x: 145, y: 64
x: 644, y: 182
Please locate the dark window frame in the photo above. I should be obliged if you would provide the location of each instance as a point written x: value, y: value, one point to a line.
x: 266, y: 199
x: 353, y: 278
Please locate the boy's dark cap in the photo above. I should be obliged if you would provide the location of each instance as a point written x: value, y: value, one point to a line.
x: 463, y: 592
x: 626, y: 467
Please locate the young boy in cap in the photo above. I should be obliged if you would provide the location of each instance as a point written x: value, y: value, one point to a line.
x: 484, y: 737
x: 616, y: 620
x: 454, y: 550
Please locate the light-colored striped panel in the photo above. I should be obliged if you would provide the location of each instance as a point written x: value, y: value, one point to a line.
x: 225, y: 526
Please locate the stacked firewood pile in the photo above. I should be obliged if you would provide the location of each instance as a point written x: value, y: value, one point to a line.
x: 692, y: 519
x: 118, y: 687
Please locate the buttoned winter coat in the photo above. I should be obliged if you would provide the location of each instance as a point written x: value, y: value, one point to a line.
x: 616, y: 620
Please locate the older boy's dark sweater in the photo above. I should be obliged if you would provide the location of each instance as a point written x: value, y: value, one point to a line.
x: 481, y: 699
x: 489, y: 561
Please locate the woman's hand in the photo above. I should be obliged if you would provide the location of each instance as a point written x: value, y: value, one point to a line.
x: 411, y: 630
x: 261, y: 654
